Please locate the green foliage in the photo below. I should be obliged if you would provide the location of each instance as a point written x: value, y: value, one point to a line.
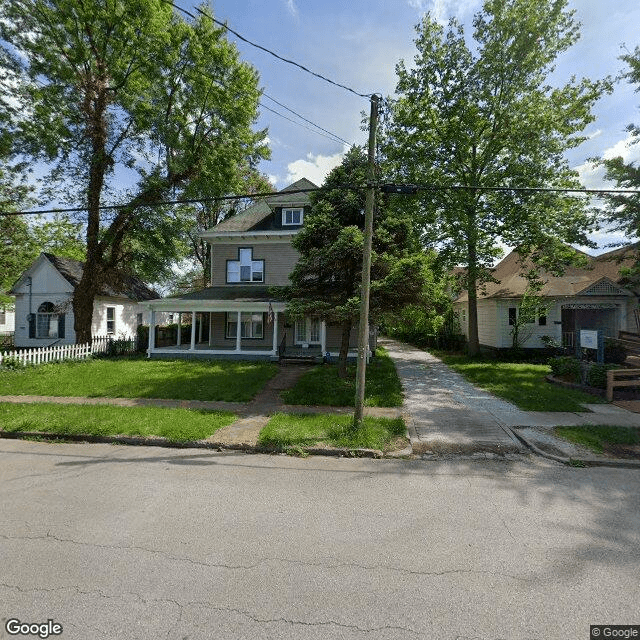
x: 614, y: 351
x: 597, y: 374
x: 179, y: 425
x: 12, y: 363
x: 323, y: 386
x: 523, y: 384
x: 425, y: 327
x: 483, y: 113
x: 327, y: 277
x: 297, y: 431
x: 623, y: 210
x: 597, y: 437
x: 231, y: 381
x: 127, y: 87
x: 566, y: 367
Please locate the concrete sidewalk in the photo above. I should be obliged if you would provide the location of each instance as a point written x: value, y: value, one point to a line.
x: 447, y: 414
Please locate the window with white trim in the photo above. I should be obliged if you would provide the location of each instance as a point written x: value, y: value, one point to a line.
x: 308, y: 331
x: 245, y: 269
x: 111, y: 321
x: 251, y: 325
x: 291, y: 217
x: 3, y: 316
x: 46, y: 321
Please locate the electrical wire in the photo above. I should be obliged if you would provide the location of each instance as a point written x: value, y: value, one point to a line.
x: 414, y: 187
x: 272, y: 53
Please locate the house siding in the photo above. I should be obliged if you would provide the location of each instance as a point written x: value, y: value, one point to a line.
x: 279, y: 260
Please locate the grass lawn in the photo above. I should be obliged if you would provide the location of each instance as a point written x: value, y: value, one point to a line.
x: 523, y: 384
x: 322, y: 386
x: 599, y: 437
x: 103, y: 420
x: 285, y: 430
x: 228, y: 380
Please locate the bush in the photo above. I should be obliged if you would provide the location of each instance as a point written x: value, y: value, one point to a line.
x: 597, y: 375
x: 567, y: 368
x: 614, y: 351
x: 13, y: 363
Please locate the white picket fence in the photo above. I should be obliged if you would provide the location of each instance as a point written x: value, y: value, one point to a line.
x: 35, y: 355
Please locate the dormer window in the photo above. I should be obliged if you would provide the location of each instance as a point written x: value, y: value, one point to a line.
x: 246, y: 269
x: 292, y: 217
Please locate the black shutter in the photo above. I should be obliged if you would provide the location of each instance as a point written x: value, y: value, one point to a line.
x: 61, y: 325
x: 31, y: 318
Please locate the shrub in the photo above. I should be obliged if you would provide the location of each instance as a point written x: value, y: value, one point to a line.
x: 567, y: 368
x: 597, y: 375
x: 12, y: 362
x: 614, y: 352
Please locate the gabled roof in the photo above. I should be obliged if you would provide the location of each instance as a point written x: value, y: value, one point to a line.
x: 252, y: 217
x: 601, y: 275
x: 71, y: 270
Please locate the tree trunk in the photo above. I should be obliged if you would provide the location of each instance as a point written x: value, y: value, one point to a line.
x: 344, y: 349
x: 472, y: 266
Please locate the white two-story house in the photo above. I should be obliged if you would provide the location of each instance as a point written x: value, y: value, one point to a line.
x: 240, y: 315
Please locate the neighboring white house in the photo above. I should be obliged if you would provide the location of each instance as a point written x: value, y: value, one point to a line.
x: 7, y: 319
x: 44, y: 313
x: 594, y: 297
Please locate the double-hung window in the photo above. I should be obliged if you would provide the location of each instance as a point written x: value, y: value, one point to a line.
x: 291, y: 217
x: 111, y: 320
x: 245, y: 269
x: 251, y: 325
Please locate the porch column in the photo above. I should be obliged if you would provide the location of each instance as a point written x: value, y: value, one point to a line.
x: 238, y: 331
x: 210, y: 329
x: 152, y: 332
x: 179, y: 329
x: 200, y: 328
x: 275, y: 333
x: 193, y: 331
x: 323, y: 337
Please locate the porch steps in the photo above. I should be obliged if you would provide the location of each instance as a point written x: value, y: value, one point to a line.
x: 631, y: 342
x: 300, y: 360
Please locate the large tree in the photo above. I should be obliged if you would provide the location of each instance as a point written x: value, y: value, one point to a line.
x: 473, y: 115
x: 327, y: 278
x: 623, y: 211
x: 111, y: 90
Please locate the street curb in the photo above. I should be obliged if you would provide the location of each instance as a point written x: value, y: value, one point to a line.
x: 206, y: 444
x: 586, y: 462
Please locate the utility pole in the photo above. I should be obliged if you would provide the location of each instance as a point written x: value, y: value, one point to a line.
x: 363, y: 332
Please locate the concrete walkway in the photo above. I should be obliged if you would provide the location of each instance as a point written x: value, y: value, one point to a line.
x: 447, y: 414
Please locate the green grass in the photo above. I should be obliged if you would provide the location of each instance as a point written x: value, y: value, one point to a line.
x: 322, y: 386
x: 523, y: 384
x: 596, y: 437
x: 284, y: 431
x: 100, y: 420
x: 232, y: 381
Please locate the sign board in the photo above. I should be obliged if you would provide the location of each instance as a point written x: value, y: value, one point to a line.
x: 588, y: 339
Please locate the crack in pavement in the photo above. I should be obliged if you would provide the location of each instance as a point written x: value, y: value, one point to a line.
x: 263, y: 561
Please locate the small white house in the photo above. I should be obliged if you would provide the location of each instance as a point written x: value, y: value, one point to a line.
x: 44, y: 310
x: 7, y: 319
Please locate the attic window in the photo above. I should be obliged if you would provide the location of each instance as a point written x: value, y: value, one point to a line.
x: 291, y: 217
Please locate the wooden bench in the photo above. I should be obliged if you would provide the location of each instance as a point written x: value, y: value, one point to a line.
x: 621, y: 378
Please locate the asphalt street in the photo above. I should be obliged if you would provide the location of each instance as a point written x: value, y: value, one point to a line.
x: 142, y: 542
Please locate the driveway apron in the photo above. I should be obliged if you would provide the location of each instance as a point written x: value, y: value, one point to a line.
x: 446, y: 414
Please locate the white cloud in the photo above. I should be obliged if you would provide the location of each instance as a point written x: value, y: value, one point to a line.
x: 629, y: 152
x: 314, y: 167
x: 292, y: 8
x: 443, y: 10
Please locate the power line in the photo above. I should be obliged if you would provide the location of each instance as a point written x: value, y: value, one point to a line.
x: 405, y: 189
x: 272, y: 53
x: 335, y: 138
x: 303, y: 118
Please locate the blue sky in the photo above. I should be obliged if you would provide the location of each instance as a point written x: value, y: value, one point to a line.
x: 359, y: 42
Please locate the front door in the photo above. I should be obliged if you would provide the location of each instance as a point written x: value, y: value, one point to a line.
x: 308, y: 331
